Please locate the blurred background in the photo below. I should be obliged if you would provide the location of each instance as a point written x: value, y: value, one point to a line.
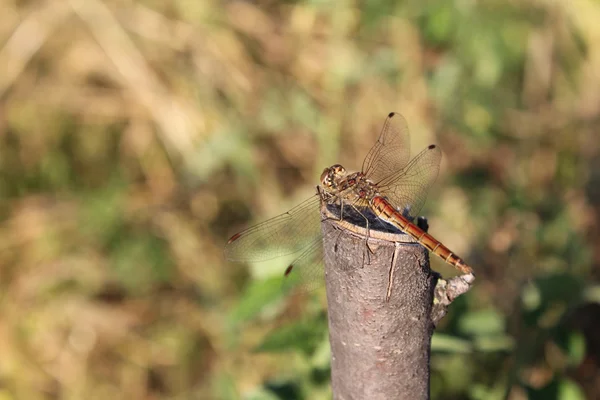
x: 137, y: 136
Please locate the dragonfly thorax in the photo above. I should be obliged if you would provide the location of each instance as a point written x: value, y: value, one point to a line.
x: 353, y: 188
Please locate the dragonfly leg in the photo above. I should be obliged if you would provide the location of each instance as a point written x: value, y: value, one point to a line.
x: 422, y: 223
x: 339, y: 217
x: 333, y: 200
x: 369, y: 250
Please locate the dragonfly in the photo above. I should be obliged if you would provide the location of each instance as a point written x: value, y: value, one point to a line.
x: 390, y: 185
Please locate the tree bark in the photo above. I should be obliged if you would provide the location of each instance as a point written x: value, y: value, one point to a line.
x: 380, y: 301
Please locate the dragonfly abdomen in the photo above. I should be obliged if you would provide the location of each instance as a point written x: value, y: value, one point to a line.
x: 384, y: 210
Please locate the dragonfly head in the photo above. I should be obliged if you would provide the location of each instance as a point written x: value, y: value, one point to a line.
x: 331, y: 175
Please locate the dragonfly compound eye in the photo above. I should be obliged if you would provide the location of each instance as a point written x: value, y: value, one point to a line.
x: 326, y: 178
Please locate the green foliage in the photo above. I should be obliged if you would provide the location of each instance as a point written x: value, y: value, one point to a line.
x: 560, y: 389
x: 256, y: 298
x: 304, y: 336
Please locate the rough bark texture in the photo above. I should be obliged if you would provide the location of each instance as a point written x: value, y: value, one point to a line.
x: 380, y: 346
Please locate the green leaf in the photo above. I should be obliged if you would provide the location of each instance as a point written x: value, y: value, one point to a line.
x: 304, y: 336
x: 257, y: 296
x: 569, y: 390
x: 559, y: 389
x: 446, y: 343
x: 494, y: 343
x: 573, y: 344
x: 261, y: 394
x: 482, y: 323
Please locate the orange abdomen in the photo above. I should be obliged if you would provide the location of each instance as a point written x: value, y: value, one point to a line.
x: 384, y: 210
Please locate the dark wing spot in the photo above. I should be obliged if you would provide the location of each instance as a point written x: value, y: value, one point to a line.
x: 234, y: 237
x: 431, y: 146
x: 288, y: 270
x: 390, y: 115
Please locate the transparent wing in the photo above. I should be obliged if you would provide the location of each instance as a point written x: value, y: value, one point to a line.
x: 285, y: 234
x: 391, y: 152
x: 306, y: 273
x: 407, y: 188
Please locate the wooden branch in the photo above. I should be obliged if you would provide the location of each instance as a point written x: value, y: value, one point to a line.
x: 384, y: 303
x: 380, y: 333
x: 445, y: 293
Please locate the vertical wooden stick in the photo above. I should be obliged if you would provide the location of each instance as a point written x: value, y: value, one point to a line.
x: 380, y: 349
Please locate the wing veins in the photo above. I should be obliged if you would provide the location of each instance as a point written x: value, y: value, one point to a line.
x: 285, y: 234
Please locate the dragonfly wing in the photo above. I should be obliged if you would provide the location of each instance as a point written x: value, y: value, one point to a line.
x: 407, y: 188
x: 306, y: 272
x: 285, y: 234
x: 391, y: 152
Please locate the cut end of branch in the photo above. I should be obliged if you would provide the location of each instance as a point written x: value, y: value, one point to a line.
x: 446, y: 291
